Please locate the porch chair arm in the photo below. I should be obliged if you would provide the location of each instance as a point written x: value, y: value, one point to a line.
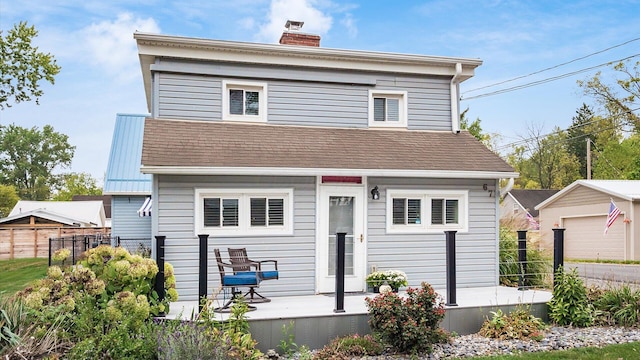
x: 273, y: 262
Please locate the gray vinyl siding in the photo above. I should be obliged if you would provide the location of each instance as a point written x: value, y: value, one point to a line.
x: 189, y: 97
x: 301, y: 97
x: 295, y: 254
x: 125, y: 221
x: 304, y: 103
x: 428, y: 103
x: 422, y: 256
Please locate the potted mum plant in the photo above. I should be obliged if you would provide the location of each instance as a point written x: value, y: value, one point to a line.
x: 394, y: 278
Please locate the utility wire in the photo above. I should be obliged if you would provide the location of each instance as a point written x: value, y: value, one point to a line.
x: 524, y: 141
x: 549, y: 79
x: 552, y: 67
x: 601, y: 155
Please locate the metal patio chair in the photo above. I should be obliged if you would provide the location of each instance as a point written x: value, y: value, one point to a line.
x: 242, y: 265
x: 232, y: 281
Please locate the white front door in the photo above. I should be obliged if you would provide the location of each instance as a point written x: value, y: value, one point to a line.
x: 341, y: 209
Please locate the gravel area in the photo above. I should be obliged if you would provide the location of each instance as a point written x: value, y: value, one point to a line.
x: 556, y: 338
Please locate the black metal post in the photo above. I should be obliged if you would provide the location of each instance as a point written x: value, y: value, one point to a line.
x: 50, y: 242
x: 159, y: 285
x: 522, y: 259
x: 558, y: 251
x: 340, y: 251
x: 73, y: 250
x: 202, y: 278
x: 451, y: 267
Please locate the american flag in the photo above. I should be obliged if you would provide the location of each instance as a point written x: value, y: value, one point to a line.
x: 533, y: 224
x: 613, y: 215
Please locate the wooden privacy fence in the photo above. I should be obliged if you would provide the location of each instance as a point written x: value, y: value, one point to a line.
x: 29, y: 242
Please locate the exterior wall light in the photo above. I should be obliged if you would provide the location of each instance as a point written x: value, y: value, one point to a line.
x: 375, y: 193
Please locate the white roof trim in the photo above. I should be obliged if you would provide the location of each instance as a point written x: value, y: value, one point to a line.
x: 127, y: 193
x: 152, y: 46
x: 585, y: 183
x: 195, y: 170
x: 49, y: 215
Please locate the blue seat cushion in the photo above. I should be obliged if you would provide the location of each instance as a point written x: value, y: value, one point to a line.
x: 242, y: 279
x: 264, y: 275
x: 269, y: 275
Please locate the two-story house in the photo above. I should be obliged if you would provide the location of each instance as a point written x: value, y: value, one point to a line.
x: 276, y: 147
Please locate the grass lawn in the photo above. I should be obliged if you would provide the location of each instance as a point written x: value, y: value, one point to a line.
x: 18, y: 273
x: 604, y: 261
x: 612, y: 352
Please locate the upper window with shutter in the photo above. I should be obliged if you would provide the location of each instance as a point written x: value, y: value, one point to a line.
x: 387, y: 108
x: 244, y: 101
x: 426, y: 211
x: 244, y: 212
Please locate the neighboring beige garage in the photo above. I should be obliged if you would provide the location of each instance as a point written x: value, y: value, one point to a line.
x: 581, y: 240
x: 582, y: 207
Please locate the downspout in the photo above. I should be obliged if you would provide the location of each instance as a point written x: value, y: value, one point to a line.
x: 455, y: 100
x: 504, y: 190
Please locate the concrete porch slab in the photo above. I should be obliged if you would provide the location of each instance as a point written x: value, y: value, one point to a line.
x: 315, y: 323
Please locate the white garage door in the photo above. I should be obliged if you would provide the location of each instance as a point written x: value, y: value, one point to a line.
x: 585, y: 238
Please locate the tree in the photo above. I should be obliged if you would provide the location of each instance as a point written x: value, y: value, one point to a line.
x: 618, y: 160
x: 586, y: 125
x: 475, y: 129
x: 22, y: 66
x: 549, y: 165
x: 71, y: 184
x: 625, y: 107
x: 8, y: 199
x: 28, y: 158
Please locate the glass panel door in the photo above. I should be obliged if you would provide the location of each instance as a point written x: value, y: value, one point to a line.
x: 341, y: 220
x: 341, y: 209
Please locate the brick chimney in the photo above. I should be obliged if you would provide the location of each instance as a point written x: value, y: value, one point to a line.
x: 293, y: 36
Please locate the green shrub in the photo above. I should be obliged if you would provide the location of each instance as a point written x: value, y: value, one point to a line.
x: 618, y: 306
x: 538, y: 264
x: 348, y: 347
x: 107, y: 301
x: 20, y: 338
x: 231, y: 337
x: 179, y: 340
x: 519, y: 324
x: 570, y: 305
x: 409, y: 324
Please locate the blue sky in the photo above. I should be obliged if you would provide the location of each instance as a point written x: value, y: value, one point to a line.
x: 100, y: 77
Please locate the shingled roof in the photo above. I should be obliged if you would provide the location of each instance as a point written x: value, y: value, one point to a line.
x: 209, y: 144
x: 530, y: 198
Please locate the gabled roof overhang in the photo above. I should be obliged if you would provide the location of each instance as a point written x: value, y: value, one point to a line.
x: 153, y: 46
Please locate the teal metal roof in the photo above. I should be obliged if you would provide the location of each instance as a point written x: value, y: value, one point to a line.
x: 123, y: 171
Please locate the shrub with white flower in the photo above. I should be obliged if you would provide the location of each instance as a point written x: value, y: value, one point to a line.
x: 394, y: 278
x: 61, y: 255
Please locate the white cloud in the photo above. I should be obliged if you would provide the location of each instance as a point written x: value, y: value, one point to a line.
x: 315, y: 20
x: 349, y: 23
x: 247, y: 23
x: 110, y: 44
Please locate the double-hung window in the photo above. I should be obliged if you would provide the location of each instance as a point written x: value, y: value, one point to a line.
x: 244, y: 101
x: 244, y: 211
x: 426, y: 211
x: 387, y: 108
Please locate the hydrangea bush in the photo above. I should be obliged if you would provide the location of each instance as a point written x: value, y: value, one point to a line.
x: 105, y: 273
x: 107, y: 300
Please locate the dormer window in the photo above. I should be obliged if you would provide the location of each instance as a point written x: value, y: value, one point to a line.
x: 387, y: 108
x: 244, y: 101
